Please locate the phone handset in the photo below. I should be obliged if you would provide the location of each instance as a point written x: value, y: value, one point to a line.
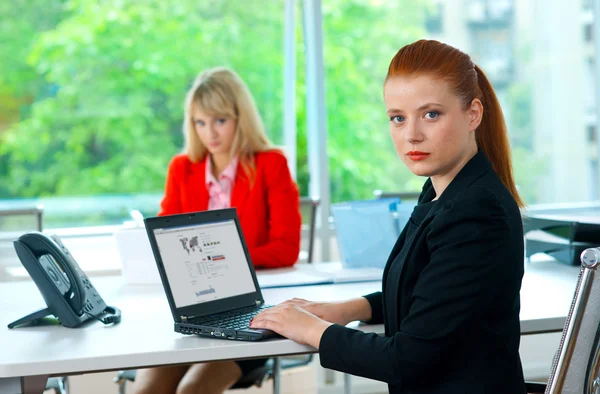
x: 69, y: 294
x: 77, y: 290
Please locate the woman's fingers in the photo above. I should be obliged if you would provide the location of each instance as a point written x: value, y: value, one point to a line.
x: 297, y: 301
x: 267, y: 323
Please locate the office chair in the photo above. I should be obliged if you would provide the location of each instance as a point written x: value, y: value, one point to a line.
x: 60, y: 385
x: 308, y: 209
x: 13, y: 222
x: 37, y: 212
x: 272, y: 369
x: 379, y: 194
x: 402, y: 195
x: 576, y: 366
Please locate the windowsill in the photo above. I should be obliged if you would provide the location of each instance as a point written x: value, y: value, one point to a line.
x: 67, y: 232
x: 95, y: 252
x: 20, y: 273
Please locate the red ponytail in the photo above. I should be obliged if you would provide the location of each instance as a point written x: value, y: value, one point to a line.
x: 442, y: 61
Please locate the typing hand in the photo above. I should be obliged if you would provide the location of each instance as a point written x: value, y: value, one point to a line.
x: 292, y: 322
x: 334, y: 312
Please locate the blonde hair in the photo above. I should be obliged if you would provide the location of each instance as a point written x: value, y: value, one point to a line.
x: 221, y: 92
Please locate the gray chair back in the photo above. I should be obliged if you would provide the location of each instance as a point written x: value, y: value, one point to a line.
x: 308, y: 209
x: 13, y: 223
x: 401, y: 195
x: 576, y: 366
x: 19, y: 216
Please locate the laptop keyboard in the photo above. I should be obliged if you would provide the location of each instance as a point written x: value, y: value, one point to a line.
x: 238, y: 319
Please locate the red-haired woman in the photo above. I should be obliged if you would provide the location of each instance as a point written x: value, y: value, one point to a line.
x: 450, y: 290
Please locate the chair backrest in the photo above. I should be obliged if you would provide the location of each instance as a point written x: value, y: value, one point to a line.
x: 308, y: 209
x: 366, y: 230
x: 576, y: 366
x: 13, y: 222
x: 401, y: 195
x: 11, y: 219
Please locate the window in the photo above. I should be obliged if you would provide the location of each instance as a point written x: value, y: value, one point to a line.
x: 542, y: 76
x: 91, y: 95
x: 360, y: 39
x: 91, y: 92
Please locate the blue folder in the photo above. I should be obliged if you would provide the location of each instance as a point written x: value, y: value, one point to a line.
x: 367, y: 230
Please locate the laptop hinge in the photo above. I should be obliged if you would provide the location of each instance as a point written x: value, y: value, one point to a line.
x: 185, y: 318
x: 258, y: 302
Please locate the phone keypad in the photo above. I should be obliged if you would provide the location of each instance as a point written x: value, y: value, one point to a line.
x: 93, y: 302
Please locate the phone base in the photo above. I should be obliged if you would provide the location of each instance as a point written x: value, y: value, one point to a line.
x: 31, y: 318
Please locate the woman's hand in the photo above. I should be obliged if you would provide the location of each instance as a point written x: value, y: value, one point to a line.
x: 293, y: 322
x: 340, y: 313
x: 333, y: 312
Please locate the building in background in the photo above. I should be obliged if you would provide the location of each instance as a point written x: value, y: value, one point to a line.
x: 540, y: 58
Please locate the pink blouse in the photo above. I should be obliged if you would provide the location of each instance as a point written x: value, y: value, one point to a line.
x: 219, y: 190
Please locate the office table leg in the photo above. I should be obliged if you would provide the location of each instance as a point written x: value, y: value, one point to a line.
x: 276, y: 375
x: 23, y: 385
x: 347, y: 383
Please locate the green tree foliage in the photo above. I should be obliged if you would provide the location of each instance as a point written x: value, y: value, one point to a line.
x: 527, y: 167
x: 21, y: 22
x: 361, y: 37
x: 91, y: 92
x: 116, y: 73
x: 121, y: 70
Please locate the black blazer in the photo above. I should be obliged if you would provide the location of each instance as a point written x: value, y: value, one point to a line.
x: 457, y: 307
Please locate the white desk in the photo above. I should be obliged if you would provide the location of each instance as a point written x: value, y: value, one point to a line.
x: 316, y: 274
x: 546, y: 292
x: 145, y: 337
x: 546, y: 295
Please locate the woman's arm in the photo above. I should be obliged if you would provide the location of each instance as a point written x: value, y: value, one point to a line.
x: 375, y: 313
x: 283, y: 202
x: 341, y: 312
x: 358, y: 309
x: 473, y: 261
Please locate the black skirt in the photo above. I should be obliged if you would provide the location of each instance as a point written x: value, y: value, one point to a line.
x: 253, y: 372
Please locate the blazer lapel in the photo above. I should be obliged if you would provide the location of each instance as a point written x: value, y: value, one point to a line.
x: 476, y: 167
x: 427, y: 194
x: 241, y: 188
x: 197, y: 183
x: 393, y: 255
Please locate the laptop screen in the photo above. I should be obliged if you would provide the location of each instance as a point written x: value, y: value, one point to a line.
x: 204, y: 262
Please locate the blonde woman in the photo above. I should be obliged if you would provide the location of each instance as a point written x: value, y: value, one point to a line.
x: 228, y: 162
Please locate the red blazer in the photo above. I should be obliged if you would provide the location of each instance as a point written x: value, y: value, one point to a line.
x: 269, y: 212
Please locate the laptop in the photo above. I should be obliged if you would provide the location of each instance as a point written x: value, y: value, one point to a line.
x: 205, y: 269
